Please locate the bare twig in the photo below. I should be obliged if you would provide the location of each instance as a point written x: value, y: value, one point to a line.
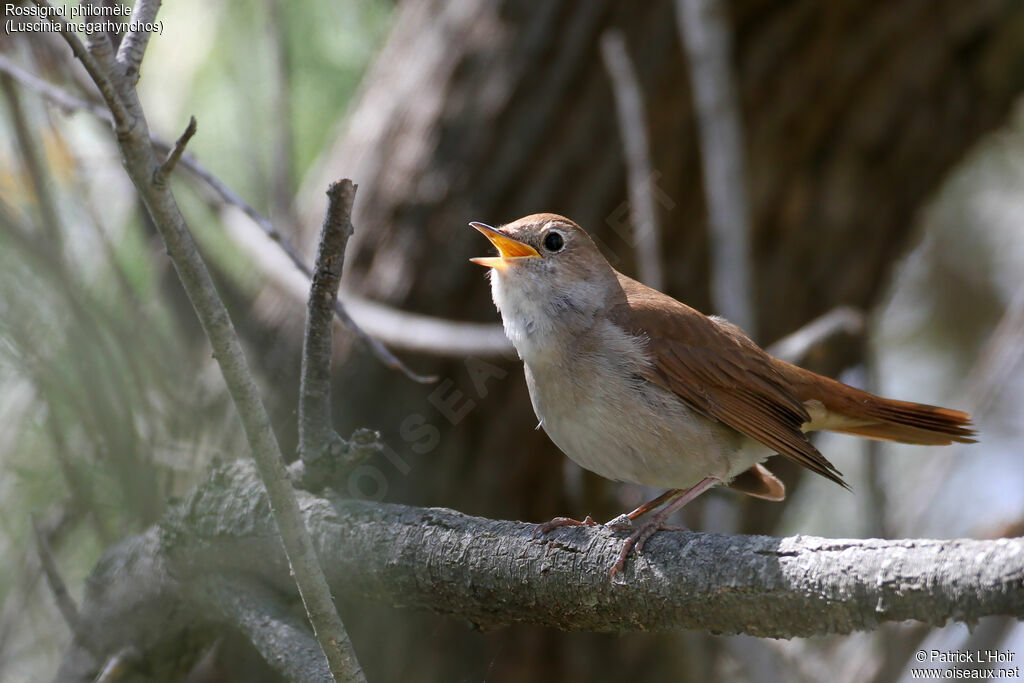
x: 315, y: 431
x: 35, y: 165
x: 796, y: 345
x: 427, y: 334
x: 59, y: 96
x: 101, y: 47
x: 282, y: 169
x: 706, y: 38
x: 100, y: 75
x: 383, y: 354
x: 65, y: 603
x: 259, y: 613
x: 133, y: 46
x: 629, y: 103
x: 381, y: 323
x: 164, y: 170
x: 23, y: 584
x: 1000, y: 356
x: 877, y: 514
x: 324, y: 457
x: 118, y: 665
x: 376, y: 347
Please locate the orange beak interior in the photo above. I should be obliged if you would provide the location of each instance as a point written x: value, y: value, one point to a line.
x: 508, y: 248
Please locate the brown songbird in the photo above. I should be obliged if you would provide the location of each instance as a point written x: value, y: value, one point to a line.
x: 638, y: 387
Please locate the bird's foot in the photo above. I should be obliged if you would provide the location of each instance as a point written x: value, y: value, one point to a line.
x: 558, y: 522
x: 637, y: 539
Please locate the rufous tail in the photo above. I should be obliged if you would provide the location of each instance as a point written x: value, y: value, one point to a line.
x: 837, y: 407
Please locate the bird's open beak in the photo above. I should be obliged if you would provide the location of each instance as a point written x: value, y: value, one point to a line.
x: 508, y: 248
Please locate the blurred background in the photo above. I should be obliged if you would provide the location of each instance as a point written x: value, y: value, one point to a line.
x: 883, y: 145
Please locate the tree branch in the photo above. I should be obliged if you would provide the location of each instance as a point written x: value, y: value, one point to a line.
x: 324, y: 457
x: 116, y: 668
x: 629, y: 103
x: 260, y: 614
x: 708, y: 44
x: 495, y: 572
x: 164, y: 170
x: 65, y: 603
x: 101, y: 47
x: 315, y: 431
x: 133, y: 46
x: 34, y: 162
x: 62, y: 98
x: 795, y: 346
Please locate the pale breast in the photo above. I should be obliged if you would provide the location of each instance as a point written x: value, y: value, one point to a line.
x: 609, y: 420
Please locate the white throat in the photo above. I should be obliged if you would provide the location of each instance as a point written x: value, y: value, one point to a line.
x: 540, y: 322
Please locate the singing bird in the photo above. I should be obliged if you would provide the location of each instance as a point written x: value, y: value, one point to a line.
x: 638, y: 387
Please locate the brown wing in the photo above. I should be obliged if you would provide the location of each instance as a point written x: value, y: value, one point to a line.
x: 712, y: 366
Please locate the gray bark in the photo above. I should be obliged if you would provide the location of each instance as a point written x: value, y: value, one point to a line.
x: 494, y: 572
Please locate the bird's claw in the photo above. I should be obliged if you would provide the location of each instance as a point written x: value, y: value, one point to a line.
x: 558, y: 522
x: 635, y: 542
x: 621, y: 523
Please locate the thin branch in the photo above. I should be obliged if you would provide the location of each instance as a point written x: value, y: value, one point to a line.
x: 99, y: 43
x: 795, y: 346
x: 23, y: 582
x: 877, y: 500
x: 425, y: 333
x: 381, y: 323
x: 59, y: 96
x: 163, y: 172
x: 1000, y: 356
x: 133, y: 46
x: 260, y: 614
x: 117, y: 667
x: 65, y: 603
x: 629, y: 103
x: 985, y: 381
x: 315, y: 431
x: 35, y: 165
x: 282, y: 170
x: 708, y: 44
x: 324, y: 457
x: 123, y: 121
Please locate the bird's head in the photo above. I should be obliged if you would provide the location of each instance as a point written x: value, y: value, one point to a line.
x: 548, y: 272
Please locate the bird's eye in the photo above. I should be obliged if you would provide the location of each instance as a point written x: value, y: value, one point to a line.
x: 554, y: 241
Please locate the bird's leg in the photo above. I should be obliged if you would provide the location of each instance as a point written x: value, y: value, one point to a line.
x: 560, y: 522
x: 637, y: 539
x: 624, y: 522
